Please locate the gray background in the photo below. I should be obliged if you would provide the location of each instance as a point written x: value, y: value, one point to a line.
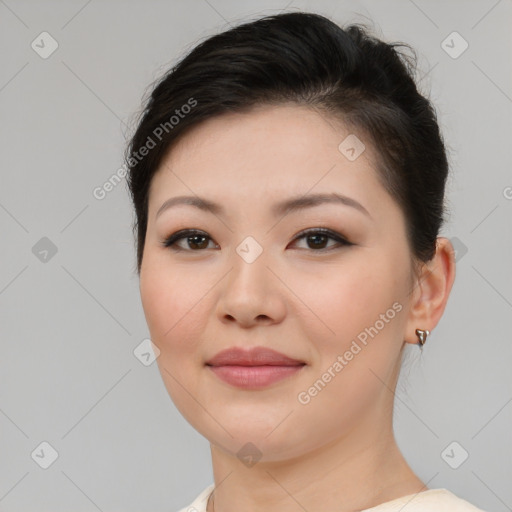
x: 70, y: 321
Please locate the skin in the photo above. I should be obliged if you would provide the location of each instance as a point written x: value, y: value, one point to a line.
x: 337, y: 452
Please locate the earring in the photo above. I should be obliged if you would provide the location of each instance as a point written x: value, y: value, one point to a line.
x: 422, y: 335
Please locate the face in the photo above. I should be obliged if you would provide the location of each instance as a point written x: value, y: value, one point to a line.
x: 337, y: 302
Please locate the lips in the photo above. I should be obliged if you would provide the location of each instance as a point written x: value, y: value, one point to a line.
x: 256, y: 356
x: 253, y: 368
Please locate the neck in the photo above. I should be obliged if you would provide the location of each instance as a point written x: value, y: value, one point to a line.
x: 362, y: 469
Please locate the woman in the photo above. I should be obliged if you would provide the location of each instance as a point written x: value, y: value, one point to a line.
x: 288, y: 183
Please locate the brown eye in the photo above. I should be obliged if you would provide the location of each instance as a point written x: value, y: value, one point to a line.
x: 195, y: 240
x: 317, y: 239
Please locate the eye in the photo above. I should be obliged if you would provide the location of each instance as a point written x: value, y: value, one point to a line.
x: 319, y: 236
x: 195, y: 239
x: 198, y: 240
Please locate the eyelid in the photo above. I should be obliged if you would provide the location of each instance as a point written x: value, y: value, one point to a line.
x: 325, y: 231
x: 170, y: 241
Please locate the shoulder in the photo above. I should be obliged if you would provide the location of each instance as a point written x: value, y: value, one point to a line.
x: 199, y: 503
x: 432, y: 500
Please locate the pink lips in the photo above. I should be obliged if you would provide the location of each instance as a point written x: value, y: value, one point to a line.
x: 253, y: 368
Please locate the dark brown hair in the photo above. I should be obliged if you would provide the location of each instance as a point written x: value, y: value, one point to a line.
x: 306, y: 59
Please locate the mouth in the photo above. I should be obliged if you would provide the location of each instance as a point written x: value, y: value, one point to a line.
x: 254, y: 367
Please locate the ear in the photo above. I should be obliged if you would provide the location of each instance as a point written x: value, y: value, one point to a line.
x: 431, y: 290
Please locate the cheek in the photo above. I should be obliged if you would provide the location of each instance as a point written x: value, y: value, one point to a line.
x: 346, y: 298
x: 354, y: 309
x: 176, y: 315
x: 356, y: 342
x: 173, y: 309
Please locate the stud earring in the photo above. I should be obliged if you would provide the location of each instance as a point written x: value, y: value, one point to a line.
x: 422, y: 335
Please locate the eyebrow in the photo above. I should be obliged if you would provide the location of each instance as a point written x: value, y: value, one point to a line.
x: 278, y: 209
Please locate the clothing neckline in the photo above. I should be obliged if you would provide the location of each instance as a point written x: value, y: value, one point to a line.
x: 205, y: 495
x: 409, y: 497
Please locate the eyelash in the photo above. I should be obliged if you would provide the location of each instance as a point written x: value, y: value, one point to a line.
x: 170, y: 241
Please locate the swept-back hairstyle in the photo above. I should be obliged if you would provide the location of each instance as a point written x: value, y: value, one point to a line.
x: 306, y: 59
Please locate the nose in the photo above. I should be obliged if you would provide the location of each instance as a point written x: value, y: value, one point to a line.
x: 251, y: 294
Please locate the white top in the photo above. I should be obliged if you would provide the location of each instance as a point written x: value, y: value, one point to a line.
x: 431, y: 500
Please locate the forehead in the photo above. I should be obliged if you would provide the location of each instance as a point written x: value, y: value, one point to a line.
x: 275, y: 134
x: 266, y: 153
